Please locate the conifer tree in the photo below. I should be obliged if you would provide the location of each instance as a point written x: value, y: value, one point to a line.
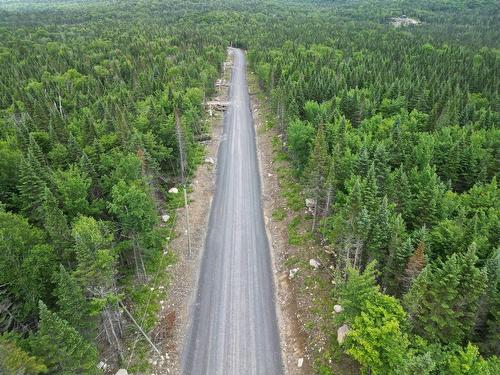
x: 414, y: 266
x: 443, y: 301
x: 316, y: 173
x: 56, y: 225
x: 31, y: 189
x: 357, y: 289
x: 96, y: 274
x: 63, y: 349
x: 14, y: 360
x: 73, y: 307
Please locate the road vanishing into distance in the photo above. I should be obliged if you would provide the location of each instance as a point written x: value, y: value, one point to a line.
x: 233, y: 327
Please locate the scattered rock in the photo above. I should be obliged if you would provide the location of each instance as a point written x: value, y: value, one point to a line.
x: 310, y: 203
x: 165, y: 218
x: 173, y: 190
x: 342, y: 333
x: 300, y: 362
x: 314, y: 263
x: 337, y: 309
x: 102, y: 365
x: 122, y: 371
x: 210, y: 160
x: 292, y: 273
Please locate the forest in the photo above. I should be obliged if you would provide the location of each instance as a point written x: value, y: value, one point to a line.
x: 394, y: 132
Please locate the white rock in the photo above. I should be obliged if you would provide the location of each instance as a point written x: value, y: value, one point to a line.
x: 210, y: 160
x: 338, y: 308
x: 122, y: 371
x: 310, y: 203
x: 165, y: 218
x: 300, y: 362
x: 102, y: 365
x: 292, y: 272
x: 342, y: 333
x: 173, y: 190
x: 314, y: 263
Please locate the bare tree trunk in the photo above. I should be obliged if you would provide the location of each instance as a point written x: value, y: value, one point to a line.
x: 140, y: 270
x: 112, y: 332
x: 315, y: 210
x: 328, y: 202
x: 357, y: 249
x: 136, y: 261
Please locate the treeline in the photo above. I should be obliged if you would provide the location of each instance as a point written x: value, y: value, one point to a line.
x: 90, y: 113
x: 395, y: 137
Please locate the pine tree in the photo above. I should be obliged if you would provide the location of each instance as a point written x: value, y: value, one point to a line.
x: 443, y: 300
x: 316, y: 173
x: 31, y: 190
x: 363, y: 162
x: 73, y: 307
x: 488, y: 324
x: 96, y: 274
x: 379, y: 235
x: 414, y: 266
x: 56, y: 225
x: 64, y: 350
x: 371, y: 191
x: 14, y: 360
x: 358, y: 288
x: 396, y: 247
x: 381, y: 162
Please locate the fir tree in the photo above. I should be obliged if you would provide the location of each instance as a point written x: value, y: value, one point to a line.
x: 56, y: 225
x: 14, y: 360
x: 63, y: 349
x: 316, y: 173
x: 443, y: 300
x: 31, y: 190
x: 73, y: 307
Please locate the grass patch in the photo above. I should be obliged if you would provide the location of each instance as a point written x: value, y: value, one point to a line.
x: 279, y: 214
x: 292, y: 261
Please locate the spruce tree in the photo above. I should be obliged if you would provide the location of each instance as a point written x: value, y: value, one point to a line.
x: 316, y: 173
x: 73, y: 307
x: 443, y: 301
x: 56, y: 225
x: 358, y: 288
x: 63, y: 349
x: 31, y: 190
x: 14, y: 360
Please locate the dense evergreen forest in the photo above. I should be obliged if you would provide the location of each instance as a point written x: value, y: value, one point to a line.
x: 393, y: 131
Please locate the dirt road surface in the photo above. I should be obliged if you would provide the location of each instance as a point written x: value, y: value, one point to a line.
x: 233, y: 327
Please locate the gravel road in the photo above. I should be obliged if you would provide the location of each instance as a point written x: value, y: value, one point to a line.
x: 233, y: 327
